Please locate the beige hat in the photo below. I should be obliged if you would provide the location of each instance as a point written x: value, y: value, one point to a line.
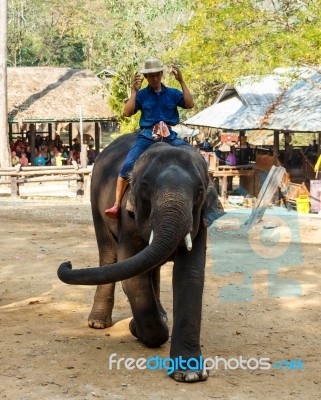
x: 152, y: 64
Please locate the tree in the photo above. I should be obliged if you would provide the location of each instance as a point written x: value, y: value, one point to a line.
x: 116, y: 33
x: 227, y: 39
x: 4, y: 144
x: 43, y: 33
x: 139, y: 29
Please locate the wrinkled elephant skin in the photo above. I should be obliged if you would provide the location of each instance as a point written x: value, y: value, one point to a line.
x: 172, y: 197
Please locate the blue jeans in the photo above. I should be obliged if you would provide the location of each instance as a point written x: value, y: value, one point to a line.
x: 142, y: 144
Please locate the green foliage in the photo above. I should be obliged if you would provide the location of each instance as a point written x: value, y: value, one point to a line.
x: 213, y: 41
x: 118, y: 90
x: 116, y: 33
x: 227, y: 39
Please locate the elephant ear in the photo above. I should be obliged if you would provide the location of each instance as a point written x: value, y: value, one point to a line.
x: 213, y: 206
x: 131, y: 201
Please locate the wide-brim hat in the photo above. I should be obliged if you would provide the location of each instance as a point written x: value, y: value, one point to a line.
x: 152, y: 64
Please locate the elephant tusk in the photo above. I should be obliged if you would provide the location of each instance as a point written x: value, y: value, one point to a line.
x: 188, y: 242
x: 151, y: 237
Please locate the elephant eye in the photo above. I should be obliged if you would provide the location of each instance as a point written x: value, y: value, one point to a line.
x: 199, y: 193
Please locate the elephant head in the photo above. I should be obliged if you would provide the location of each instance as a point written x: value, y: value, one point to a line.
x: 173, y: 197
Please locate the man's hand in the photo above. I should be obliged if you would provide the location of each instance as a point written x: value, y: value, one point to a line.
x: 188, y: 99
x: 177, y: 73
x: 138, y: 79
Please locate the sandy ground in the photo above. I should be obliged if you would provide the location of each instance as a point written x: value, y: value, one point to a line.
x: 261, y: 300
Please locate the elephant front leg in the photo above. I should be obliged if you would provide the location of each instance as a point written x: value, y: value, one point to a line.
x: 149, y: 321
x: 100, y: 315
x: 188, y: 283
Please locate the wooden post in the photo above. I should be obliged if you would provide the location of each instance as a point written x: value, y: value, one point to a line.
x: 32, y: 129
x: 50, y: 132
x: 5, y: 156
x: 241, y: 136
x: 10, y: 133
x: 14, y: 187
x: 70, y: 134
x: 87, y: 183
x: 276, y: 145
x: 83, y: 156
x: 97, y: 138
x: 80, y: 186
x: 224, y: 188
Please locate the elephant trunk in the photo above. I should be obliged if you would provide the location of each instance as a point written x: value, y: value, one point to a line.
x: 167, y: 236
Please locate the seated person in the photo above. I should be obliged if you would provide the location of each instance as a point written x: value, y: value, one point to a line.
x: 315, y: 146
x: 59, y: 159
x: 91, y: 155
x: 219, y: 154
x: 14, y: 159
x: 40, y: 159
x: 231, y: 158
x: 206, y: 145
x: 24, y: 160
x: 248, y: 153
x: 155, y: 122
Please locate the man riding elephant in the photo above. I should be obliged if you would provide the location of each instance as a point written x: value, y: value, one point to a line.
x: 158, y: 105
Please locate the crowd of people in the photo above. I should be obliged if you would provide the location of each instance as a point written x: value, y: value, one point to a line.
x: 48, y: 152
x: 231, y: 157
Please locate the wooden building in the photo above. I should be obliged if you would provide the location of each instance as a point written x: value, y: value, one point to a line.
x: 45, y: 99
x: 285, y: 103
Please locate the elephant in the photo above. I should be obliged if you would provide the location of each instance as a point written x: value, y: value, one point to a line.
x: 174, y: 200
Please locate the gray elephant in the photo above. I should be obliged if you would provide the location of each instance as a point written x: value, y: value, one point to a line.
x: 173, y: 199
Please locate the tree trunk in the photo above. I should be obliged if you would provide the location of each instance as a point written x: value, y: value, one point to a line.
x: 4, y: 143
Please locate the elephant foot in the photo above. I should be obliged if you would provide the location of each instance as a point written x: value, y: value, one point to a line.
x: 97, y: 321
x: 189, y: 376
x: 132, y: 328
x: 152, y: 339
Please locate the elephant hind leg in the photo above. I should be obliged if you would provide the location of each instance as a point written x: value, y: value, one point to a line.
x: 100, y: 316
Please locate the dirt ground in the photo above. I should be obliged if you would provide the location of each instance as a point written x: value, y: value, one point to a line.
x: 48, y: 352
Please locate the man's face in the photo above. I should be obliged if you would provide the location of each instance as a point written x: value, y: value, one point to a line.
x: 154, y: 80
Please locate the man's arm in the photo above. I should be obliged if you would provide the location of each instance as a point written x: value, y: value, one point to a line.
x: 188, y: 98
x: 129, y: 108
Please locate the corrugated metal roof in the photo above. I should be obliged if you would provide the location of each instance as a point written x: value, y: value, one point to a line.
x: 265, y: 104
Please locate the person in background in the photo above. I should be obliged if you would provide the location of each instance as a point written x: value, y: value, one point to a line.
x: 232, y: 161
x: 18, y: 151
x: 59, y: 159
x: 91, y: 155
x: 14, y: 159
x: 76, y: 146
x: 40, y: 159
x: 231, y: 157
x: 72, y: 158
x: 248, y: 153
x: 315, y: 146
x: 206, y: 145
x: 24, y: 160
x: 46, y: 155
x: 219, y: 155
